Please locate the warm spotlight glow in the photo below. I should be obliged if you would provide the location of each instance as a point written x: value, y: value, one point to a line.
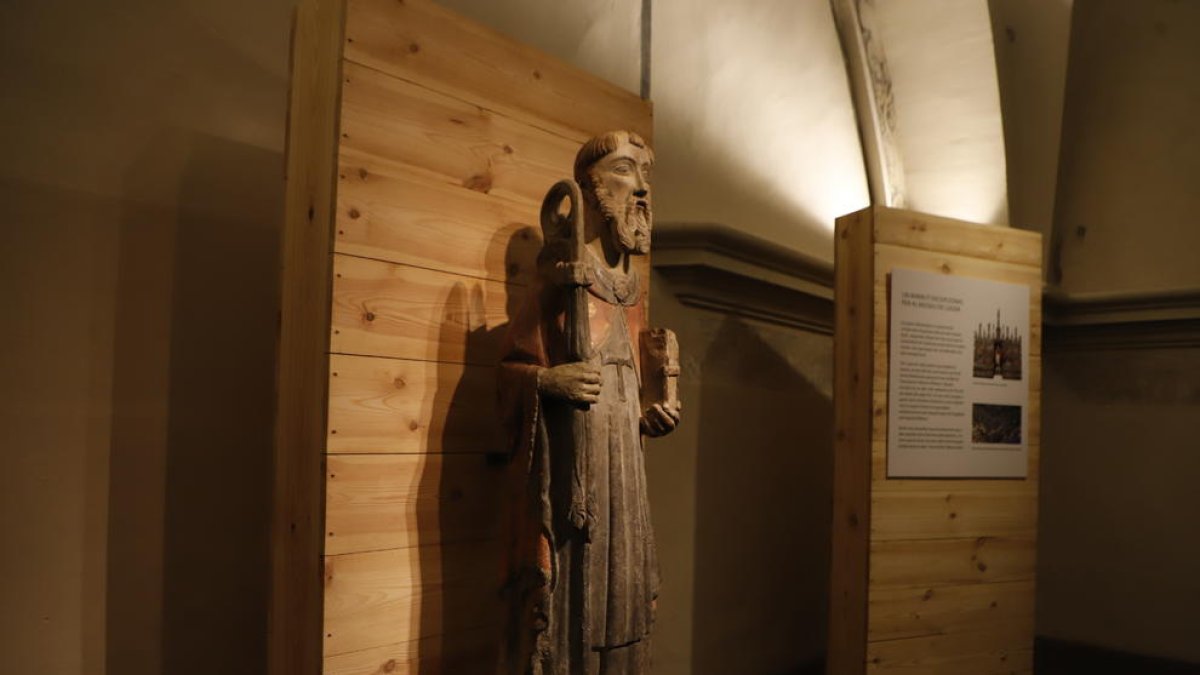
x: 947, y: 105
x: 753, y: 120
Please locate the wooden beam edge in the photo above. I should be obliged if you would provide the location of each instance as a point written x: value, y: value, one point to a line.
x: 295, y: 613
x: 853, y: 374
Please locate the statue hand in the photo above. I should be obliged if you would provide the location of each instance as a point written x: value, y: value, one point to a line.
x: 660, y: 420
x: 577, y: 382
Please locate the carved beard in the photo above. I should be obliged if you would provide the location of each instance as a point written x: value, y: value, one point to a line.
x: 629, y: 223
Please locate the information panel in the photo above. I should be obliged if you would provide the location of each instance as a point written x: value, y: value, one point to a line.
x: 958, y: 388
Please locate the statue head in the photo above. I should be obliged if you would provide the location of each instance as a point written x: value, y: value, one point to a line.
x: 613, y: 171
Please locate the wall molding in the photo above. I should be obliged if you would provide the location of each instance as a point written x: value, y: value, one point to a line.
x: 717, y: 268
x: 1139, y: 320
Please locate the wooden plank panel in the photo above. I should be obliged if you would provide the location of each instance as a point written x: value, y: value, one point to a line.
x: 946, y: 235
x: 954, y: 512
x: 469, y: 651
x: 383, y: 309
x: 852, y: 411
x: 392, y: 212
x: 444, y: 159
x: 917, y: 611
x: 458, y: 143
x: 1001, y: 650
x: 373, y: 599
x: 421, y: 42
x: 294, y: 612
x: 888, y: 257
x: 383, y: 405
x: 376, y: 502
x: 941, y: 562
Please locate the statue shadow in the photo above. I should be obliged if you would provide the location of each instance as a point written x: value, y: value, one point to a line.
x: 458, y: 521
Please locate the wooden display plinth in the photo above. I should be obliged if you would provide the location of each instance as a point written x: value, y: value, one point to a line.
x: 928, y: 575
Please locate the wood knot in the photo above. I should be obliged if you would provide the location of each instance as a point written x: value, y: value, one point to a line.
x: 362, y: 173
x: 414, y: 425
x: 389, y: 665
x: 480, y: 182
x: 953, y: 515
x: 537, y: 74
x: 928, y: 594
x: 945, y: 268
x: 399, y: 382
x: 354, y: 214
x: 508, y: 150
x: 414, y: 48
x: 369, y: 316
x: 982, y: 566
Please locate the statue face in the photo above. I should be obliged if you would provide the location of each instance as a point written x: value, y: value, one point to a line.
x: 621, y: 181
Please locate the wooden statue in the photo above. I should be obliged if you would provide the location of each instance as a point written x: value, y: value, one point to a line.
x: 580, y: 383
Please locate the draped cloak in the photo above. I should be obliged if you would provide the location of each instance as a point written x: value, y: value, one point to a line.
x: 581, y: 572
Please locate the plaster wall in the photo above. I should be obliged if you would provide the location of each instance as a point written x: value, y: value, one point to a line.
x: 942, y: 77
x: 1119, y: 534
x: 1031, y: 40
x: 754, y: 124
x: 1120, y: 538
x: 140, y: 204
x: 740, y: 496
x: 1127, y: 201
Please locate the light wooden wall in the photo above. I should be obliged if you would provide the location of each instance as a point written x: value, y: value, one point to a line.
x: 448, y: 136
x: 929, y: 576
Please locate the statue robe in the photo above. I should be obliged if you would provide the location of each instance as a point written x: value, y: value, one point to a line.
x: 582, y: 575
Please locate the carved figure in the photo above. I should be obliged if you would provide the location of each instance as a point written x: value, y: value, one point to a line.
x: 580, y: 383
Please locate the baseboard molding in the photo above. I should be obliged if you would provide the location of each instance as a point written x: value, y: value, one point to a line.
x: 1063, y: 657
x: 720, y: 269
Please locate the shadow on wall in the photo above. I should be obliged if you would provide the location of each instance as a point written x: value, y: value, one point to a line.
x: 461, y: 571
x: 193, y: 400
x: 763, y: 490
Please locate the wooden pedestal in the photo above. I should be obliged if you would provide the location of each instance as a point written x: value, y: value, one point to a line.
x: 929, y: 576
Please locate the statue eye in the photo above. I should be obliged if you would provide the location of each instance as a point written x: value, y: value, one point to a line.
x: 621, y: 169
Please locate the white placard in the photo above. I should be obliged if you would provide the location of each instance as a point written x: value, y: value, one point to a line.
x: 958, y: 377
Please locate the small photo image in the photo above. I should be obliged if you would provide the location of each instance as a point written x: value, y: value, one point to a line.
x: 995, y: 423
x: 997, y: 351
